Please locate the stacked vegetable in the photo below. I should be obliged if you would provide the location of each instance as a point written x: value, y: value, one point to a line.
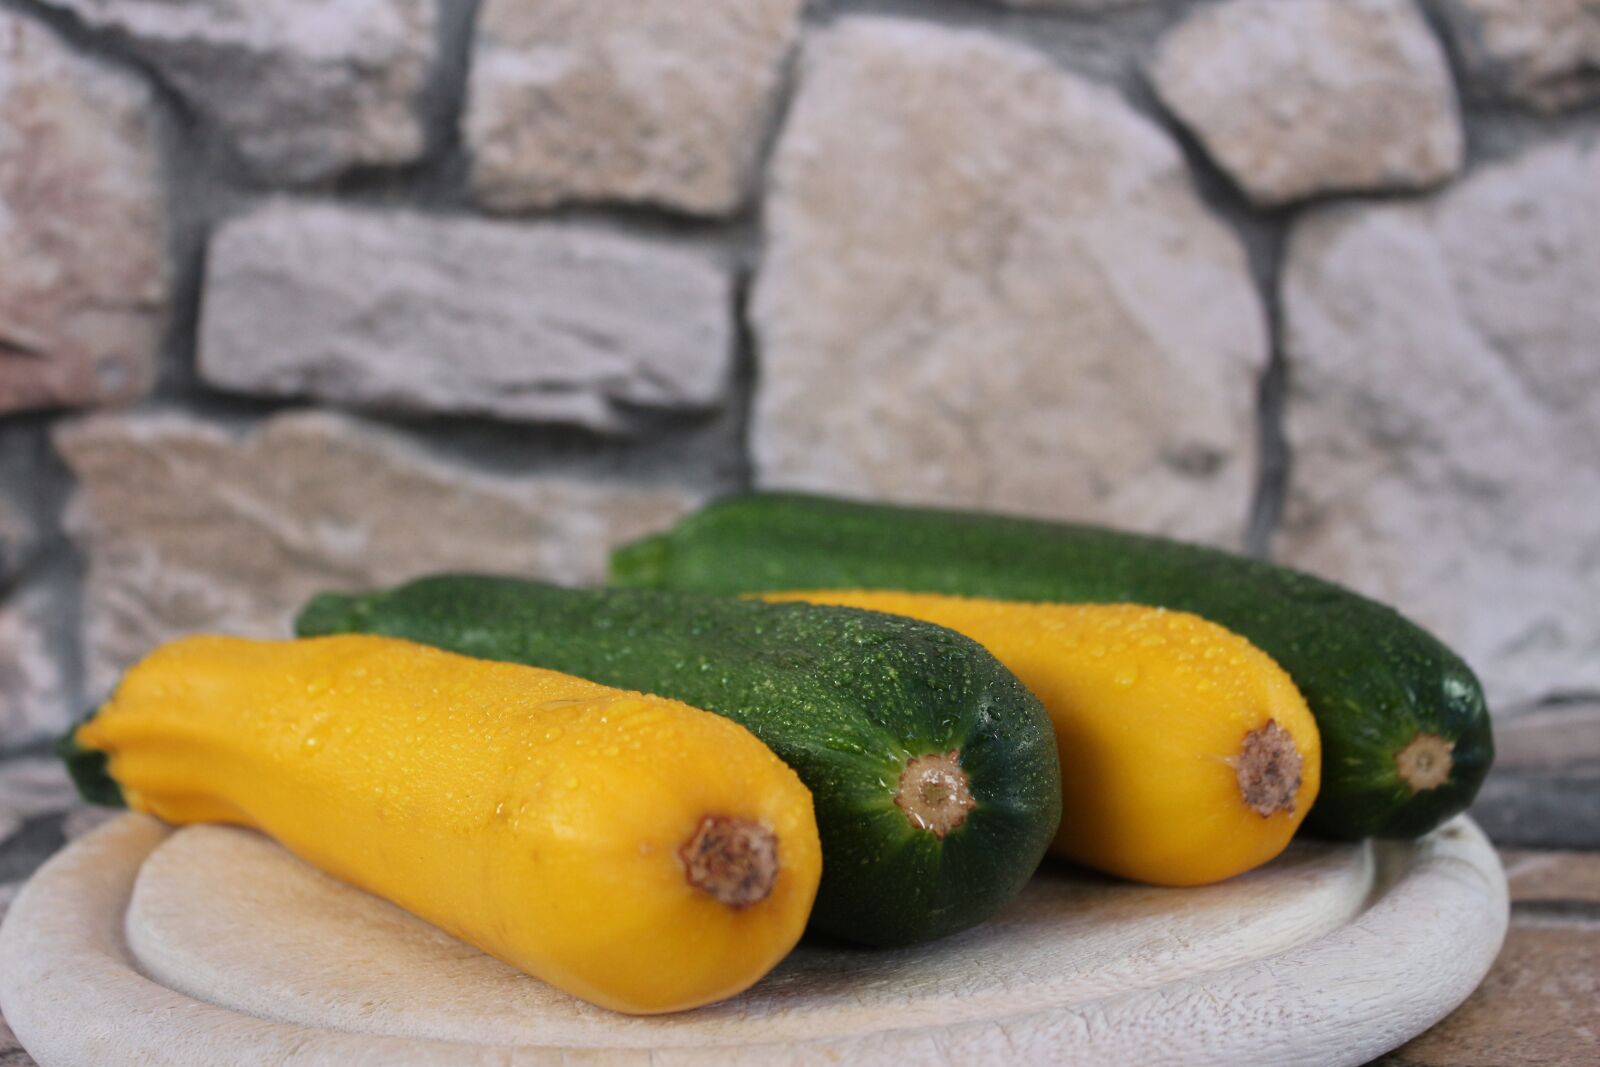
x: 1404, y: 725
x: 933, y: 770
x: 923, y: 703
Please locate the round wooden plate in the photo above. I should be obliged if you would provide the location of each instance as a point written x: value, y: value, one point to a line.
x: 212, y: 945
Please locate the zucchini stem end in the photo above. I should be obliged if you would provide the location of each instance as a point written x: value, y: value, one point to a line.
x: 935, y: 792
x: 1426, y: 762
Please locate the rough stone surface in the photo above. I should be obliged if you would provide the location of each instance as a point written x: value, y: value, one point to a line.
x: 189, y: 528
x: 1314, y: 96
x: 1553, y: 878
x: 34, y: 692
x: 19, y: 536
x: 32, y: 787
x: 23, y: 485
x: 1549, y: 738
x: 1544, y: 790
x: 1543, y: 53
x: 1557, y: 808
x: 556, y: 322
x: 649, y: 101
x: 1083, y: 7
x: 1535, y: 1009
x: 990, y: 283
x: 83, y: 268
x: 302, y: 90
x: 1444, y: 413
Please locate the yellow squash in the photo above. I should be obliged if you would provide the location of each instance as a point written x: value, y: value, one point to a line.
x: 1187, y: 754
x: 634, y: 851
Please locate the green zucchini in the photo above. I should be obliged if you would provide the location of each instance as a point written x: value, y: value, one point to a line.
x: 1405, y: 730
x: 932, y: 768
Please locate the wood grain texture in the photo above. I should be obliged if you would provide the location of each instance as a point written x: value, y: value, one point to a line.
x: 213, y: 946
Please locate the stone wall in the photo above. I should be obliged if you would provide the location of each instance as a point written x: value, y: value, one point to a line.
x: 315, y: 293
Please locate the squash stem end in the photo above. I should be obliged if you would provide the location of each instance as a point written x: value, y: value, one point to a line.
x: 734, y: 861
x: 1268, y: 770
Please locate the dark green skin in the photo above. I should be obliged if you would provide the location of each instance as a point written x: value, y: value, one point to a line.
x: 1373, y: 679
x: 89, y: 770
x: 844, y: 697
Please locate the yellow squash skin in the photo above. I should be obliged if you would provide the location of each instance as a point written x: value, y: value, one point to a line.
x: 1152, y: 710
x: 535, y: 815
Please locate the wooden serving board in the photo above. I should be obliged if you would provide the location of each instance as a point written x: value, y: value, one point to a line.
x: 212, y: 945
